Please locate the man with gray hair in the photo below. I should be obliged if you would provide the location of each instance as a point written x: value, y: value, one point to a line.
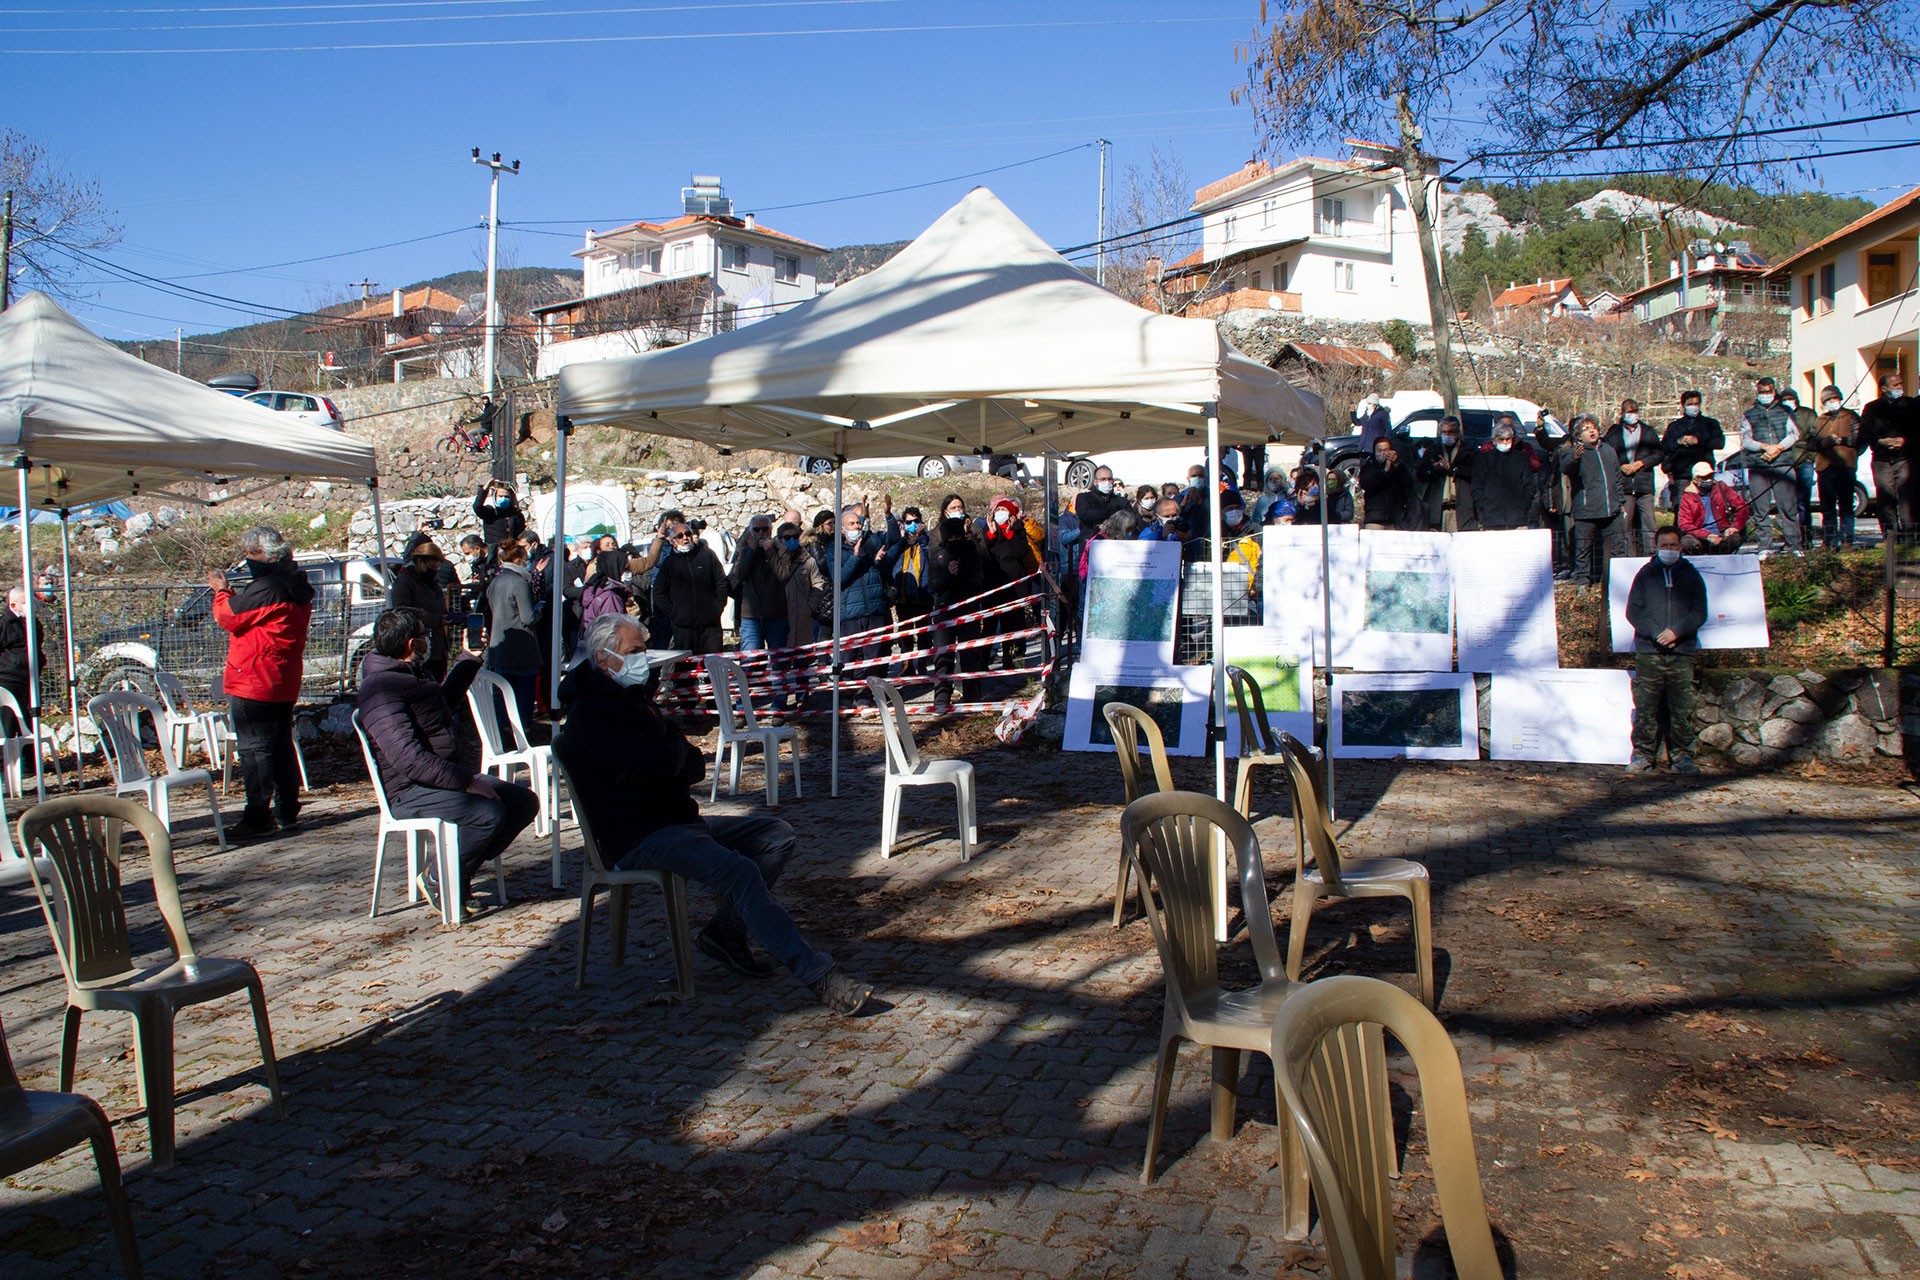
x: 633, y: 774
x: 1596, y: 494
x: 268, y: 624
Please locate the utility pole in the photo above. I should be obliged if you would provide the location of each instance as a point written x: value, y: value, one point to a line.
x: 1100, y: 262
x: 492, y: 331
x: 178, y: 360
x: 6, y: 253
x: 1646, y: 263
x: 366, y: 287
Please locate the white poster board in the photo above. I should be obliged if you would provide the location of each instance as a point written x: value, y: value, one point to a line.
x: 1406, y: 604
x: 1418, y: 715
x: 1581, y: 717
x: 1736, y: 602
x: 1291, y: 608
x: 1178, y: 699
x: 1285, y: 680
x: 592, y: 509
x: 1130, y: 597
x: 1503, y: 600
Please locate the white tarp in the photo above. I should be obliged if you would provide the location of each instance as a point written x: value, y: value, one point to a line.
x: 105, y: 424
x: 977, y: 337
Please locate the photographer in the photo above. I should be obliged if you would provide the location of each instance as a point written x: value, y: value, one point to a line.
x: 499, y: 512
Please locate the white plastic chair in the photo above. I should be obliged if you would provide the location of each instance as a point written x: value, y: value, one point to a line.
x: 13, y: 866
x: 739, y: 727
x: 185, y: 722
x: 444, y: 835
x: 223, y: 743
x: 485, y: 696
x: 905, y: 768
x: 117, y: 716
x: 13, y: 749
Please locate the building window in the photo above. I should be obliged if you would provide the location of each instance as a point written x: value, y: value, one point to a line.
x: 1883, y: 277
x: 1280, y: 277
x: 1253, y: 278
x: 1269, y: 212
x: 1823, y: 294
x: 1806, y: 294
x: 786, y: 267
x: 1333, y: 216
x: 653, y: 261
x: 726, y: 318
x: 1343, y: 277
x: 733, y: 257
x: 682, y: 256
x: 1231, y: 228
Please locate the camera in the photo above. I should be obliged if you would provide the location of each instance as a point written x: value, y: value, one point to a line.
x: 435, y: 523
x: 697, y: 525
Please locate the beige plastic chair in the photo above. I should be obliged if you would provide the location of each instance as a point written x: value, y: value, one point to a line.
x: 1331, y: 1064
x: 595, y: 872
x: 36, y: 1126
x: 117, y: 716
x: 1316, y: 768
x: 1259, y: 747
x: 1333, y: 876
x: 81, y: 836
x: 443, y: 835
x: 739, y: 727
x: 1172, y: 837
x: 1129, y: 724
x: 906, y: 768
x: 13, y: 749
x: 485, y: 696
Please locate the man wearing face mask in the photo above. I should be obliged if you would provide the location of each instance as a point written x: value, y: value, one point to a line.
x: 1388, y: 488
x: 1667, y: 606
x: 1594, y: 498
x: 1887, y: 427
x: 633, y: 774
x: 1690, y: 438
x: 1768, y: 435
x: 268, y: 624
x: 1836, y: 450
x: 1800, y: 460
x: 1638, y: 447
x: 690, y: 589
x: 1275, y: 500
x: 409, y: 722
x: 1505, y: 487
x: 1375, y: 423
x: 1712, y: 518
x: 1444, y: 469
x: 1092, y: 506
x: 417, y: 585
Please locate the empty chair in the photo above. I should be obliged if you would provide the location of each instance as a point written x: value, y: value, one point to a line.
x: 1331, y: 1065
x: 36, y: 1126
x: 906, y: 768
x: 184, y: 722
x: 82, y: 837
x: 486, y: 695
x: 1332, y: 876
x: 1129, y: 724
x: 13, y: 748
x: 13, y: 865
x: 1172, y: 837
x: 1259, y: 747
x: 739, y: 727
x: 595, y: 873
x: 117, y: 716
x: 442, y: 835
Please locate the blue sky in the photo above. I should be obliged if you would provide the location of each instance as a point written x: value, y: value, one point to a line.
x: 304, y: 140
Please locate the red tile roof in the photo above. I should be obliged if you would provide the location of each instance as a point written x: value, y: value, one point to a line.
x: 1251, y: 171
x: 415, y: 300
x: 1521, y: 295
x: 1333, y: 353
x: 1891, y: 208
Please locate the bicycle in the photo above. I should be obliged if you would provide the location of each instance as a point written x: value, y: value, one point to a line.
x: 460, y: 440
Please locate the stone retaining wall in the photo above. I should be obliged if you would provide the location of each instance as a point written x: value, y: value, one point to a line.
x: 1757, y: 719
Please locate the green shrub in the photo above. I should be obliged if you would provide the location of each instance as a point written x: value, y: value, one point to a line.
x: 1399, y: 335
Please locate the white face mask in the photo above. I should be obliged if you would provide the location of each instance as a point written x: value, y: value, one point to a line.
x: 634, y: 669
x: 1765, y: 397
x: 686, y: 548
x: 851, y: 535
x: 1232, y: 518
x: 1830, y: 406
x: 1502, y: 446
x: 1692, y: 410
x: 1105, y: 486
x: 1668, y: 555
x: 1276, y: 485
x: 1630, y: 418
x: 1002, y: 516
x: 1893, y: 393
x: 1449, y: 440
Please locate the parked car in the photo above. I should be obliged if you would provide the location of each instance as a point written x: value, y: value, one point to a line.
x: 186, y: 642
x: 927, y: 467
x: 314, y: 410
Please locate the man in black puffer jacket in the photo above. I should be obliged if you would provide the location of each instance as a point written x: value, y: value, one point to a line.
x: 410, y: 725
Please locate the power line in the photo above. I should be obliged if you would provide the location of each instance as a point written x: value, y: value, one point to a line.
x: 1713, y: 165
x: 618, y: 11
x: 1735, y: 135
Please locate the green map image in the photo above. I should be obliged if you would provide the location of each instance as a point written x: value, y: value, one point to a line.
x: 1161, y: 702
x: 1278, y: 677
x: 1407, y: 602
x: 1130, y: 609
x: 1401, y: 718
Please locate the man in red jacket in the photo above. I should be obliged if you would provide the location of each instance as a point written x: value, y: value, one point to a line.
x: 1712, y: 518
x: 268, y: 622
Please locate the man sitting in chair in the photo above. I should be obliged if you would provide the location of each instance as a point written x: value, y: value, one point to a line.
x: 633, y: 774
x: 410, y: 725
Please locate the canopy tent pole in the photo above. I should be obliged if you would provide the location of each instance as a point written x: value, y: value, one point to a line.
x: 1326, y: 628
x: 1217, y: 722
x: 380, y: 571
x: 557, y: 603
x: 839, y: 571
x: 379, y: 525
x: 23, y: 467
x: 66, y: 604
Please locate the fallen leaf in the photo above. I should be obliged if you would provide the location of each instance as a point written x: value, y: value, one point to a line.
x: 554, y: 1223
x: 870, y: 1235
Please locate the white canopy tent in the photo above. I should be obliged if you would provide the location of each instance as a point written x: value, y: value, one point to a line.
x: 977, y: 337
x: 82, y: 421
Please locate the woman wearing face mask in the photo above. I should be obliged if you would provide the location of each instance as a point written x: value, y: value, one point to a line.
x: 904, y: 566
x: 809, y: 594
x: 955, y: 575
x: 1505, y: 484
x: 1836, y: 445
x: 513, y: 650
x: 1638, y: 447
x: 417, y: 586
x: 1146, y: 501
x: 1012, y: 545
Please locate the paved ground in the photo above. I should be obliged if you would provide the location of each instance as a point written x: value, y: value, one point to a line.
x: 1686, y: 1015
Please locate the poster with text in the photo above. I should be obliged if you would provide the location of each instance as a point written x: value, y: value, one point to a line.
x: 1406, y: 622
x: 1419, y: 715
x: 1131, y: 590
x: 1580, y: 717
x: 1291, y: 610
x: 1177, y: 699
x: 1285, y: 681
x: 1736, y: 602
x: 1503, y: 601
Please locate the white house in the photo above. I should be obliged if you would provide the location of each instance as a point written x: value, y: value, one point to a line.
x: 1333, y: 239
x: 1855, y: 309
x: 647, y: 285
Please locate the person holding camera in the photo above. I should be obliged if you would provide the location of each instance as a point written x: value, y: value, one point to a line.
x: 498, y: 510
x: 761, y: 567
x: 1596, y: 495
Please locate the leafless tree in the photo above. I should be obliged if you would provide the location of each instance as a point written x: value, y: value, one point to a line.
x: 52, y: 213
x: 1149, y: 199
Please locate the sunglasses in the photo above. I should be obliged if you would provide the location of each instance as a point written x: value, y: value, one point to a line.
x: 685, y: 535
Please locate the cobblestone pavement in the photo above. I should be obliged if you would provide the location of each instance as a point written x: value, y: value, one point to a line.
x: 1686, y: 1016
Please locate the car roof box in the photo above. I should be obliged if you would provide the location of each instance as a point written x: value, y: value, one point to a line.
x: 236, y: 383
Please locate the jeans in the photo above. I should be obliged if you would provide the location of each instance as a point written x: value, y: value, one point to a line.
x: 487, y: 826
x: 739, y: 859
x: 1595, y: 542
x: 763, y: 633
x: 1641, y: 523
x: 699, y: 640
x: 1663, y: 681
x: 1775, y: 491
x: 1808, y: 477
x: 264, y: 733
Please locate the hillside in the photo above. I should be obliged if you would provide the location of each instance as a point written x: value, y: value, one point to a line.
x: 1590, y: 228
x: 848, y: 261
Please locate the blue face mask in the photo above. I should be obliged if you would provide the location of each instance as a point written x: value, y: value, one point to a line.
x: 912, y: 526
x: 791, y: 544
x: 633, y: 671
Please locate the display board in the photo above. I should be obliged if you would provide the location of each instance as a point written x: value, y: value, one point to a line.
x: 1131, y: 592
x: 1178, y: 699
x: 1736, y: 602
x: 1285, y: 681
x: 1419, y: 715
x: 1582, y: 717
x: 1503, y: 601
x: 1290, y: 588
x: 1406, y: 604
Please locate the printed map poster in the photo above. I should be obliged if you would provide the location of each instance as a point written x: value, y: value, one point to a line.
x: 1581, y: 717
x: 1284, y: 678
x: 1292, y: 612
x: 1736, y: 604
x: 1131, y: 592
x: 1178, y: 699
x: 1406, y: 622
x: 1419, y: 715
x: 1503, y: 604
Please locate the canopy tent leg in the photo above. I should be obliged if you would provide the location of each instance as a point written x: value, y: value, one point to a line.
x: 557, y: 603
x: 22, y: 468
x: 839, y: 478
x: 66, y: 604
x: 379, y: 568
x: 379, y: 525
x: 1217, y: 628
x: 1323, y: 729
